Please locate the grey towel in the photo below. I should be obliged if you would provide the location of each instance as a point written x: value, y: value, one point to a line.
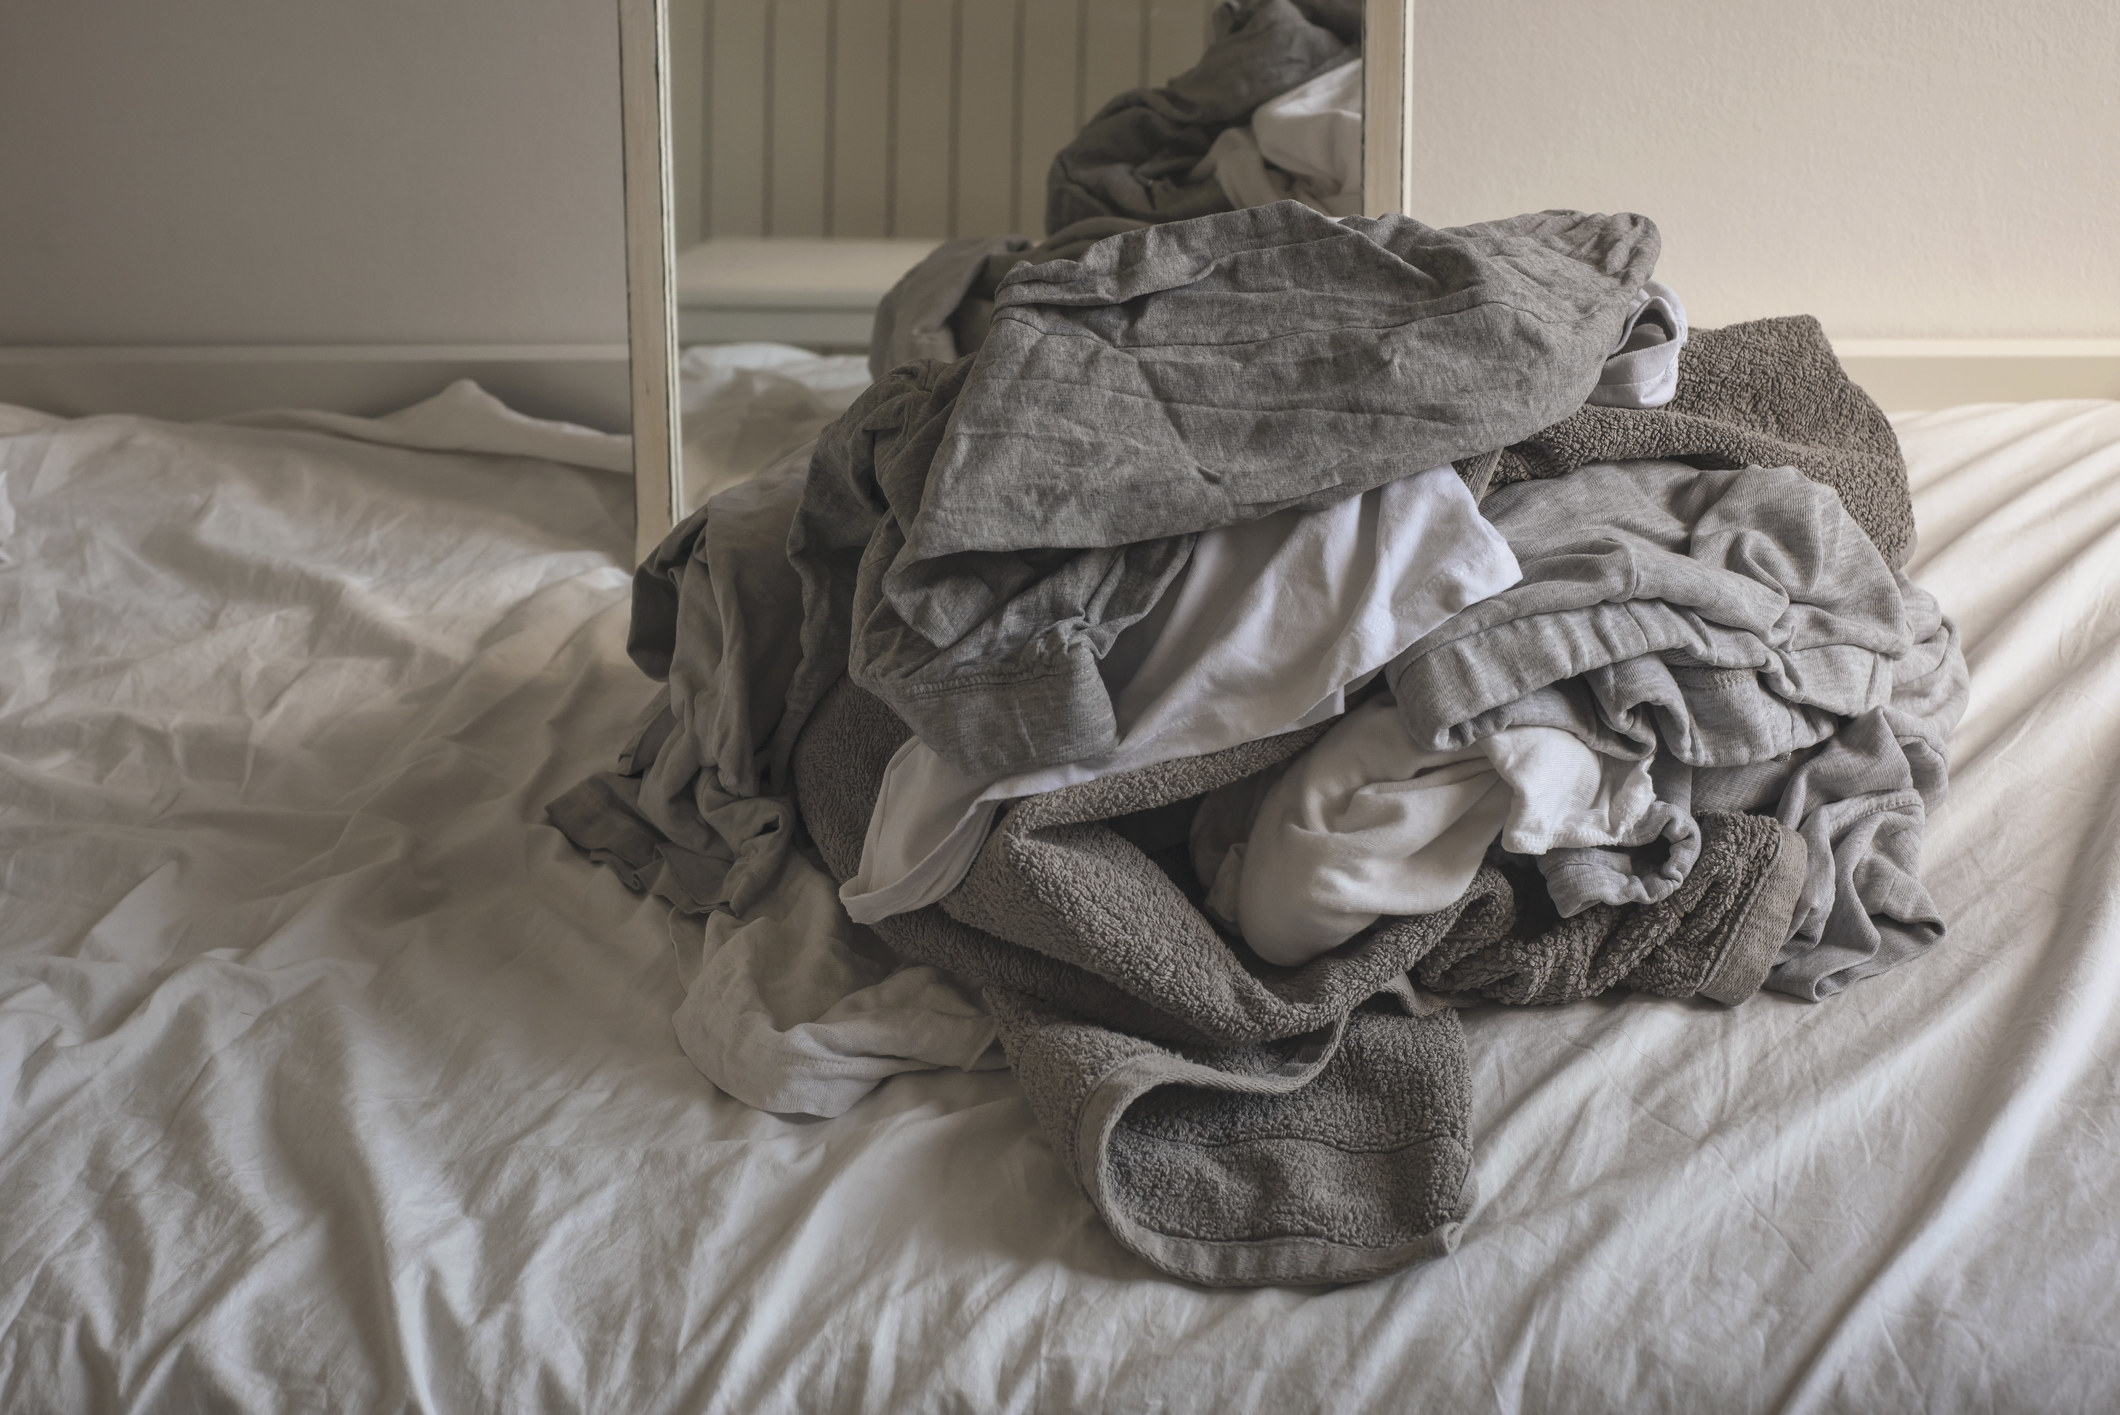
x: 1767, y: 393
x: 1234, y: 1122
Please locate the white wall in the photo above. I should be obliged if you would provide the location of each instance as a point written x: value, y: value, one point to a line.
x: 1900, y: 168
x: 314, y: 172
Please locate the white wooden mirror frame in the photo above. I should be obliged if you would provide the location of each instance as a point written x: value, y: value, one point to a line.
x: 651, y: 255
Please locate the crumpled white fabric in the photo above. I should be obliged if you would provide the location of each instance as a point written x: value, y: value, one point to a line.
x: 1313, y: 132
x: 1363, y: 823
x: 461, y: 418
x: 331, y: 1078
x: 1273, y: 621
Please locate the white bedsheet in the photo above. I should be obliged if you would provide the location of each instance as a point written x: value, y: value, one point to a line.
x: 334, y: 1080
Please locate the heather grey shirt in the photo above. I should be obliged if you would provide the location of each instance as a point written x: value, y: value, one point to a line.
x: 985, y: 529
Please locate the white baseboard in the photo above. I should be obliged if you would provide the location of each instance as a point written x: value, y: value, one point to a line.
x: 577, y: 383
x: 1910, y: 375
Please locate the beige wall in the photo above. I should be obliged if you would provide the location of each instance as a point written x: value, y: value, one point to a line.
x: 445, y: 171
x: 297, y: 171
x: 1898, y: 168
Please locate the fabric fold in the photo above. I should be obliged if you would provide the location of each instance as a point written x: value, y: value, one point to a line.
x: 1233, y: 1121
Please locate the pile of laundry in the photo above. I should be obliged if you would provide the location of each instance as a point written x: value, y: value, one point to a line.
x: 1283, y: 631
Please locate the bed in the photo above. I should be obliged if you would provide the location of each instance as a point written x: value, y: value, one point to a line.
x: 338, y: 1080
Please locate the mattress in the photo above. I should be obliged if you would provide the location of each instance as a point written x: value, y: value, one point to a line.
x: 334, y: 1079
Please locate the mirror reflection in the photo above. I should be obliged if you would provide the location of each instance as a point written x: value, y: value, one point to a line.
x: 827, y: 150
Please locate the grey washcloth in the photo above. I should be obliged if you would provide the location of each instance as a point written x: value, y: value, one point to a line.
x: 1135, y: 158
x: 1716, y: 936
x: 1768, y: 393
x: 1234, y: 1122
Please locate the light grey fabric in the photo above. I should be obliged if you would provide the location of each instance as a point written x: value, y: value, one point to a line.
x: 1861, y: 801
x: 1643, y: 371
x: 1211, y: 371
x: 914, y: 317
x: 1233, y: 1122
x: 1726, y: 615
x: 1738, y: 629
x: 1768, y: 393
x: 940, y: 308
x: 695, y: 810
x: 989, y: 528
x: 1135, y: 157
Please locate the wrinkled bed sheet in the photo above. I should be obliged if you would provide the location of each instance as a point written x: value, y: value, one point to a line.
x: 334, y: 1079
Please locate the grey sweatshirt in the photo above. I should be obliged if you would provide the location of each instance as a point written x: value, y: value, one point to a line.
x: 984, y: 531
x: 1134, y: 159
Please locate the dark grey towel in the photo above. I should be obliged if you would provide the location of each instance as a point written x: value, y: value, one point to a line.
x: 1235, y: 1122
x: 1767, y: 393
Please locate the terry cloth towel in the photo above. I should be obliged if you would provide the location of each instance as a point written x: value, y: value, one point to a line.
x: 1136, y: 157
x: 1233, y: 1122
x: 982, y: 533
x: 1767, y: 393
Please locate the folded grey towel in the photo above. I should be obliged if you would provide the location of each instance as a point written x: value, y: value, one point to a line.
x: 1767, y: 393
x: 1236, y: 1122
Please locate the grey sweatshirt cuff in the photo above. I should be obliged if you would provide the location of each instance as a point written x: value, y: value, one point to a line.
x: 1011, y: 718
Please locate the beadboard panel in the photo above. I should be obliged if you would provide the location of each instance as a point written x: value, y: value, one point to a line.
x: 898, y: 118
